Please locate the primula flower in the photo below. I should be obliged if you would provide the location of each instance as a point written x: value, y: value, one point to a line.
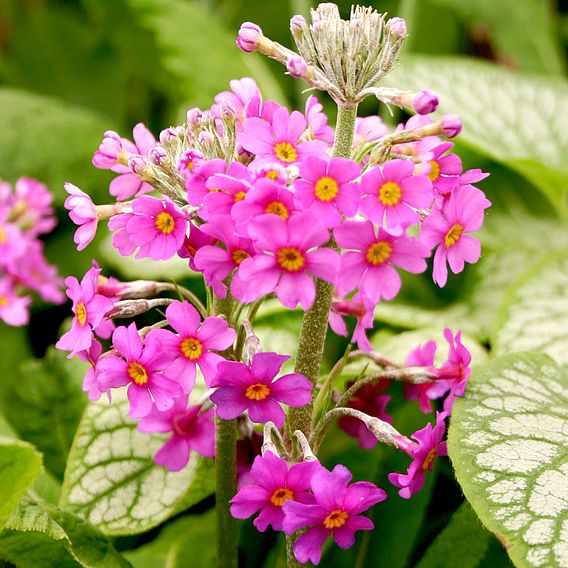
x: 192, y: 243
x: 448, y: 229
x: 360, y: 307
x: 368, y: 129
x: 370, y: 263
x: 192, y: 345
x: 241, y: 387
x: 271, y: 485
x: 429, y: 445
x: 13, y: 243
x: 31, y: 204
x: 90, y: 309
x: 196, y: 183
x: 288, y: 260
x: 192, y: 430
x: 140, y: 369
x: 317, y: 121
x: 327, y: 187
x: 242, y: 92
x: 189, y: 161
x: 280, y: 140
x: 392, y: 194
x: 422, y: 356
x: 82, y: 212
x: 444, y: 170
x: 336, y: 512
x: 90, y: 382
x: 13, y: 308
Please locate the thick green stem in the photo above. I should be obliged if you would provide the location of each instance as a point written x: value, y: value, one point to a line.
x: 226, y: 472
x: 314, y: 325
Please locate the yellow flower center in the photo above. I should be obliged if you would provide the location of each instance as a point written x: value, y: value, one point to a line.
x: 379, y: 253
x: 291, y: 259
x: 336, y: 519
x: 434, y: 170
x: 239, y: 196
x: 285, y: 152
x: 137, y: 373
x: 3, y: 301
x: 238, y: 255
x: 257, y: 392
x: 81, y: 313
x: 453, y: 235
x: 165, y: 223
x: 191, y: 348
x: 272, y: 174
x: 389, y: 193
x: 429, y: 459
x: 190, y: 165
x: 326, y: 188
x: 3, y: 237
x: 277, y: 208
x: 280, y: 496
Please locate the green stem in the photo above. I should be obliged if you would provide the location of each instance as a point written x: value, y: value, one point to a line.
x: 226, y: 472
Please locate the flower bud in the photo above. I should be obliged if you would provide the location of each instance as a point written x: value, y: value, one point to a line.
x: 451, y: 125
x: 167, y: 135
x: 298, y: 24
x: 425, y: 102
x: 108, y: 154
x: 227, y: 110
x: 297, y: 67
x: 397, y: 27
x: 157, y: 155
x: 194, y: 117
x: 249, y: 35
x: 136, y: 164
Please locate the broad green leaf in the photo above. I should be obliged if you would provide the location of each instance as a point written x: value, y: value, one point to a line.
x: 519, y: 120
x: 39, y: 535
x: 44, y: 402
x: 535, y: 313
x: 111, y: 479
x: 176, y: 545
x: 20, y: 464
x: 464, y: 542
x: 508, y: 443
x: 51, y: 140
x: 198, y: 51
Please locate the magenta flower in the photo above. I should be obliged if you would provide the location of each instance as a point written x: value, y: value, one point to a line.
x: 89, y: 308
x: 14, y: 309
x: 422, y: 356
x: 444, y: 170
x: 157, y: 227
x: 317, y: 121
x: 189, y: 161
x: 192, y: 430
x: 13, y: 243
x: 336, y: 512
x: 32, y: 203
x: 253, y: 388
x: 193, y: 344
x: 83, y: 213
x: 290, y: 256
x: 90, y: 382
x: 242, y: 92
x: 196, y: 183
x: 448, y: 229
x: 139, y: 367
x: 279, y: 141
x: 370, y: 265
x: 368, y: 129
x: 392, y: 195
x: 327, y: 187
x: 192, y: 243
x: 362, y: 309
x: 429, y: 446
x: 271, y: 485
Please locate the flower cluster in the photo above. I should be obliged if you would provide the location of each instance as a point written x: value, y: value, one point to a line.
x: 26, y: 213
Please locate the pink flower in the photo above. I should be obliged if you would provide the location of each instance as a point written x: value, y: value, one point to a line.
x: 393, y: 194
x: 192, y: 243
x: 89, y: 308
x: 444, y: 171
x: 90, y: 382
x: 370, y: 265
x: 336, y: 512
x: 139, y: 367
x: 83, y: 213
x: 448, y: 229
x: 423, y: 453
x: 196, y: 183
x: 192, y: 430
x: 328, y: 188
x: 290, y: 255
x: 32, y: 204
x: 189, y: 161
x: 193, y: 344
x: 242, y: 92
x: 317, y: 121
x: 13, y: 243
x: 13, y: 308
x: 369, y: 129
x: 422, y: 356
x: 280, y: 140
x: 253, y: 388
x: 271, y: 485
x: 361, y: 308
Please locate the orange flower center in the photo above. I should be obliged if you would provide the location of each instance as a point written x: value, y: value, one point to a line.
x: 239, y: 196
x: 453, y: 235
x: 326, y: 188
x: 81, y: 313
x: 280, y: 496
x: 257, y: 392
x: 291, y: 259
x: 272, y: 174
x: 191, y: 348
x: 3, y: 301
x: 137, y: 373
x: 285, y: 152
x: 379, y: 253
x: 238, y: 255
x: 165, y: 223
x: 277, y: 208
x: 429, y: 459
x: 336, y: 519
x: 3, y: 237
x: 434, y: 170
x: 390, y: 193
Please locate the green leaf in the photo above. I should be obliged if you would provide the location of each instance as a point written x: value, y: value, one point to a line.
x: 51, y: 140
x: 44, y: 402
x: 464, y: 542
x: 198, y: 51
x: 176, y: 545
x: 519, y: 120
x: 20, y: 464
x: 111, y: 479
x: 508, y: 443
x: 39, y: 535
x: 535, y: 313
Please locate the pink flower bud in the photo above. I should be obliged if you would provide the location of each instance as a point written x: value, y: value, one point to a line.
x: 136, y: 164
x: 107, y: 155
x: 157, y: 155
x: 193, y: 117
x: 451, y: 125
x: 397, y: 27
x: 167, y: 135
x: 425, y: 102
x: 227, y: 110
x: 298, y: 24
x: 249, y: 34
x: 297, y: 67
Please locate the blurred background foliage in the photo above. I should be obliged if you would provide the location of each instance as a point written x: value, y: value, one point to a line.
x: 72, y: 69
